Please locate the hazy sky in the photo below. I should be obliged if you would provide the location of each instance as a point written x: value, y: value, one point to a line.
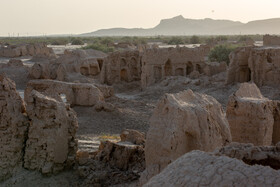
x: 37, y: 17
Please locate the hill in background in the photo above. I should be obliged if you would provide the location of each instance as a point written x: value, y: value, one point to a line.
x: 182, y: 26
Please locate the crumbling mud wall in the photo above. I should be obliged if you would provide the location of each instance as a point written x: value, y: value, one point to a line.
x: 181, y: 123
x: 51, y: 145
x: 276, y: 126
x: 269, y: 40
x: 122, y: 66
x: 71, y: 66
x: 260, y: 65
x: 38, y: 49
x: 213, y: 68
x: 123, y: 155
x: 251, y: 116
x: 252, y: 155
x: 160, y: 63
x: 81, y: 94
x: 264, y: 64
x: 239, y: 70
x: 203, y: 169
x: 13, y: 128
x: 39, y: 135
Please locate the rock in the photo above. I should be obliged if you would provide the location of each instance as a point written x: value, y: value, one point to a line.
x: 51, y: 144
x: 98, y: 173
x: 202, y: 169
x: 196, y: 82
x: 108, y: 91
x: 250, y: 116
x: 181, y: 123
x: 103, y: 106
x: 36, y: 71
x: 133, y: 136
x: 252, y: 155
x: 15, y: 62
x: 13, y: 128
x: 122, y: 155
x: 82, y: 157
x: 194, y: 75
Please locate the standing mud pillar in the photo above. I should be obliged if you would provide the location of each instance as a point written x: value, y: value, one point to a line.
x: 13, y: 128
x: 250, y: 116
x: 51, y: 144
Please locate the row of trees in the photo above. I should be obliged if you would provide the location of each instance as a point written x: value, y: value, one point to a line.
x: 219, y: 53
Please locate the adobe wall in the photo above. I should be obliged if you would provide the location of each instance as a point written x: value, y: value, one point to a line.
x: 239, y: 66
x: 77, y: 94
x: 160, y: 63
x: 38, y: 49
x: 260, y: 65
x: 71, y: 66
x: 121, y: 67
x: 269, y: 40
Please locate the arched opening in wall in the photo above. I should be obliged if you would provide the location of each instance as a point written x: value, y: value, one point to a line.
x: 249, y: 75
x: 199, y: 69
x: 189, y: 68
x: 84, y: 71
x: 179, y: 72
x: 157, y: 73
x: 191, y: 142
x: 133, y: 68
x: 245, y: 74
x: 124, y: 76
x: 123, y: 62
x: 276, y: 126
x: 168, y: 68
x: 141, y: 64
x: 100, y: 63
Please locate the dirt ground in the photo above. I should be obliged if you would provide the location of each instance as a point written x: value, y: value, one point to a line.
x: 134, y: 107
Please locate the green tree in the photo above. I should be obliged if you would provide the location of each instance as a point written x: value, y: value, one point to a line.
x: 175, y: 41
x: 244, y: 38
x: 100, y: 47
x: 77, y: 41
x: 194, y: 40
x: 221, y: 53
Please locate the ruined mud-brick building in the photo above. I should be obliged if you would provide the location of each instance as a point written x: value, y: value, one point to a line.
x: 121, y: 66
x: 70, y: 66
x: 160, y: 63
x: 39, y: 134
x: 38, y: 49
x: 260, y: 65
x: 269, y: 40
x: 152, y: 65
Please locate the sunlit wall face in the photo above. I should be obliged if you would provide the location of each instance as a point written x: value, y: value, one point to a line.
x: 37, y: 17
